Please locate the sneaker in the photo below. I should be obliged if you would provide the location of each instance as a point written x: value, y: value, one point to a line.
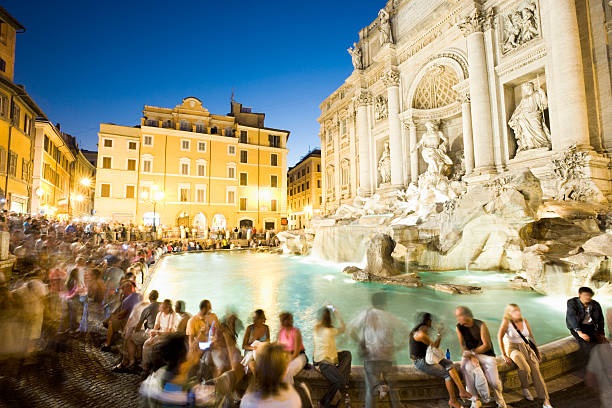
x: 527, y: 394
x: 546, y: 406
x: 476, y: 404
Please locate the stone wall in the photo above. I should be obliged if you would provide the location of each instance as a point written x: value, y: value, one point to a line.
x: 558, y: 358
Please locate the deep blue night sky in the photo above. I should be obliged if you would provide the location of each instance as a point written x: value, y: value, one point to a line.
x: 87, y: 62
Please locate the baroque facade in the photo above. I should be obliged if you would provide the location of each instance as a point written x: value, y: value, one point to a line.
x: 467, y: 89
x: 184, y: 166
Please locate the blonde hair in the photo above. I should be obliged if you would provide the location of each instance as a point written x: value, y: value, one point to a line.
x: 509, y: 308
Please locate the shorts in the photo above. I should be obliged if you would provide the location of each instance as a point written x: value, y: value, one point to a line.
x: 139, y: 337
x: 118, y: 324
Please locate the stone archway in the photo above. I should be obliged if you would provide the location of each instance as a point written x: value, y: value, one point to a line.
x: 199, y: 221
x: 182, y: 220
x: 219, y: 222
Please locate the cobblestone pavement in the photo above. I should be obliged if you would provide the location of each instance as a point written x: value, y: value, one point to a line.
x: 80, y: 376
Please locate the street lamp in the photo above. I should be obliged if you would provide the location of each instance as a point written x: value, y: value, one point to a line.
x: 154, y: 196
x: 86, y: 182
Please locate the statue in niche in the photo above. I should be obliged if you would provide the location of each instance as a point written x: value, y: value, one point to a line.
x: 520, y: 26
x: 435, y: 150
x: 380, y: 108
x: 384, y: 165
x: 385, y: 27
x: 355, y: 52
x: 527, y: 121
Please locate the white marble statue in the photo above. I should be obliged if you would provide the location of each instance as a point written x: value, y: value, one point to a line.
x: 355, y: 52
x: 527, y: 121
x: 385, y: 27
x: 384, y: 165
x: 520, y: 26
x: 380, y: 108
x: 435, y: 148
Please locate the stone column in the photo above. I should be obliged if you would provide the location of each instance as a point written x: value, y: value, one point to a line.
x: 391, y: 81
x: 472, y: 28
x: 468, y: 141
x: 414, y: 155
x: 362, y: 101
x: 568, y: 75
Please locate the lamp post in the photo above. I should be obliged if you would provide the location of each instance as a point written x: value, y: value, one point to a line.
x: 154, y: 197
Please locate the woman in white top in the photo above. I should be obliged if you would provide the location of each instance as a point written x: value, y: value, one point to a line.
x: 268, y: 390
x: 520, y: 353
x: 166, y: 322
x: 333, y: 365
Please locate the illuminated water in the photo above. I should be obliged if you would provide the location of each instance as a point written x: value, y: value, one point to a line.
x: 246, y: 281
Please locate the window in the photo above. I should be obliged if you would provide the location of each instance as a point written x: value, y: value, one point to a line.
x: 107, y: 162
x: 167, y: 124
x: 200, y: 128
x: 201, y: 170
x: 273, y: 181
x: 318, y: 168
x: 2, y: 65
x: 201, y: 146
x: 185, y: 145
x: 343, y: 127
x: 244, y: 156
x: 308, y: 170
x: 345, y: 176
x: 274, y: 159
x: 244, y: 136
x: 201, y: 194
x: 145, y: 194
x: 16, y: 114
x: 27, y: 124
x: 231, y: 197
x: 25, y: 166
x: 243, y: 179
x: 108, y: 142
x: 318, y: 183
x: 243, y: 203
x: 273, y: 204
x: 147, y: 140
x: 129, y: 191
x: 186, y: 126
x: 307, y: 185
x: 131, y: 164
x: 152, y: 122
x: 104, y: 190
x: 231, y: 172
x: 231, y: 150
x: 274, y: 140
x: 213, y: 130
x: 147, y: 165
x: 132, y: 145
x: 185, y: 169
x: 4, y: 105
x: 183, y: 193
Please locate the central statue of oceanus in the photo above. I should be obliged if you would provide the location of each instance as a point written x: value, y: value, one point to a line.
x: 435, y: 148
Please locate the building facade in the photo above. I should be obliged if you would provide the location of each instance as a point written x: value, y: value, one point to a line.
x: 52, y: 172
x: 304, y: 190
x: 184, y: 166
x: 506, y: 83
x: 83, y: 182
x: 17, y: 115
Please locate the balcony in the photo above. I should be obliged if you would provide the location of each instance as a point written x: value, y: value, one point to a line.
x: 189, y: 127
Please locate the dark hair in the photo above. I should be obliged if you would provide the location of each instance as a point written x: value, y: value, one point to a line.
x: 153, y: 295
x: 73, y: 277
x: 423, y: 319
x: 325, y: 319
x: 173, y: 350
x: 259, y: 314
x: 168, y: 303
x: 205, y: 304
x: 585, y: 289
x: 270, y: 368
x: 179, y: 306
x: 379, y: 300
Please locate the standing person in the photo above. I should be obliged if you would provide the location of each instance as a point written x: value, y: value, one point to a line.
x: 419, y: 342
x: 290, y: 338
x: 584, y: 319
x: 333, y: 365
x: 379, y: 334
x: 71, y: 302
x: 516, y: 330
x: 478, y: 363
x: 199, y: 325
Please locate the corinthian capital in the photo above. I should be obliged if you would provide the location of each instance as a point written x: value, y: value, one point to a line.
x: 363, y: 98
x: 475, y: 22
x: 391, y: 78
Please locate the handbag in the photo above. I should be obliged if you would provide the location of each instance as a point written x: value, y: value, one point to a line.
x: 433, y: 355
x: 528, y: 342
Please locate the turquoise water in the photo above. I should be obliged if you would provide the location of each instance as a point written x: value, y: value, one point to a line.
x: 245, y: 281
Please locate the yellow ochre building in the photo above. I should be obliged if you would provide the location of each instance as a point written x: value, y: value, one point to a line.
x: 184, y: 166
x: 304, y: 193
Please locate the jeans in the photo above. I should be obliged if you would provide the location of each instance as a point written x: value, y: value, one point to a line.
x: 586, y: 346
x: 83, y: 325
x: 338, y: 375
x: 374, y: 370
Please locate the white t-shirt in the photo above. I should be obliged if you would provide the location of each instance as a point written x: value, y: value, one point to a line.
x: 288, y: 398
x: 325, y: 345
x: 166, y: 322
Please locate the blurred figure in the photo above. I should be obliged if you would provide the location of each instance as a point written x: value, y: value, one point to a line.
x: 290, y: 338
x: 268, y: 390
x: 516, y: 330
x: 255, y: 335
x: 419, y: 342
x: 478, y: 363
x: 70, y: 302
x: 199, y: 325
x: 333, y: 365
x: 379, y: 335
x: 118, y: 320
x: 584, y: 319
x: 598, y: 372
x: 179, y: 308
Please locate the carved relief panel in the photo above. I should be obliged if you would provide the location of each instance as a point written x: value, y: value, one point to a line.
x: 519, y: 25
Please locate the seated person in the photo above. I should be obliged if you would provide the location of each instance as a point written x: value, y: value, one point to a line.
x: 166, y: 322
x: 117, y: 320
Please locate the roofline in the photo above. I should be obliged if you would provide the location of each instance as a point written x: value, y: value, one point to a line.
x: 11, y: 20
x: 21, y: 92
x: 313, y: 153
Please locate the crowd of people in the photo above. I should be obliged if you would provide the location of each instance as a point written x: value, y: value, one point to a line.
x: 73, y: 280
